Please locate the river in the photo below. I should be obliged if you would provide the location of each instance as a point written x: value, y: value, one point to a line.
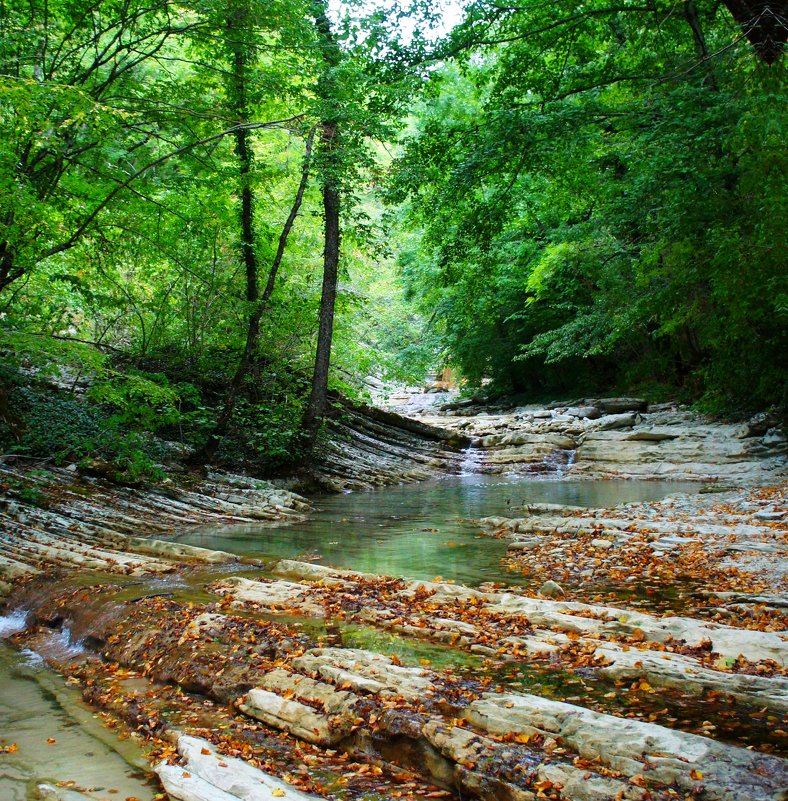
x: 417, y: 531
x: 422, y: 530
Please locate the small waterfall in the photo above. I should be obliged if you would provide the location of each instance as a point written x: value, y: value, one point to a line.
x: 562, y: 469
x: 64, y: 641
x: 472, y: 461
x: 570, y: 460
x: 54, y: 644
x: 58, y: 645
x: 13, y: 623
x: 558, y: 463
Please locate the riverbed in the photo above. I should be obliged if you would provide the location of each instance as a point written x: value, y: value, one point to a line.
x: 418, y: 531
x: 54, y: 743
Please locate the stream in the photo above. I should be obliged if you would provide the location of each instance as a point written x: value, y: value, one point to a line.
x: 52, y: 741
x: 423, y: 530
x: 416, y: 531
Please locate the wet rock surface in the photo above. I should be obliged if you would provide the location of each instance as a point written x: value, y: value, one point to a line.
x: 616, y: 438
x: 458, y: 731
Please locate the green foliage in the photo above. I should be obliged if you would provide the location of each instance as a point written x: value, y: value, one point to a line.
x: 66, y: 430
x: 47, y: 356
x: 586, y: 199
x: 598, y: 208
x: 146, y: 402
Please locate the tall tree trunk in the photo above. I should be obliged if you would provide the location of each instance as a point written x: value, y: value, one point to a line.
x: 208, y: 451
x: 236, y: 30
x: 244, y: 153
x: 318, y: 398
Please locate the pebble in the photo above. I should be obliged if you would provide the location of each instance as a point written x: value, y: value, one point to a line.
x: 604, y: 544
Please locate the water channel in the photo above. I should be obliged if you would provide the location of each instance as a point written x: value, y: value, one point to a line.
x: 423, y: 530
x: 53, y: 745
x: 417, y: 531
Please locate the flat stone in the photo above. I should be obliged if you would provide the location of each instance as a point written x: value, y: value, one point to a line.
x: 208, y: 775
x: 602, y: 544
x: 636, y: 748
x: 465, y: 747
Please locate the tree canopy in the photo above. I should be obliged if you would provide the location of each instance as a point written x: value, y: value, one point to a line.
x: 247, y: 205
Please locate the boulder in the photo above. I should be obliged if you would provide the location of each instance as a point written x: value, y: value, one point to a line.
x: 758, y: 425
x: 588, y: 412
x: 611, y: 422
x: 602, y: 544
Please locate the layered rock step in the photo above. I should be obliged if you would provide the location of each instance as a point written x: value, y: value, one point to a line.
x: 88, y: 523
x: 451, y: 729
x: 204, y: 774
x: 311, y: 710
x: 371, y: 448
x: 578, y: 748
x: 617, y: 643
x: 586, y: 619
x: 652, y: 753
x: 617, y: 438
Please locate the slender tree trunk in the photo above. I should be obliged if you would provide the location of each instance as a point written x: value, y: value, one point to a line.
x: 208, y: 451
x: 236, y: 24
x: 244, y: 153
x: 693, y: 20
x: 318, y: 398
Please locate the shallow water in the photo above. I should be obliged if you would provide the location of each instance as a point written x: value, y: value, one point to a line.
x: 36, y: 707
x: 422, y: 530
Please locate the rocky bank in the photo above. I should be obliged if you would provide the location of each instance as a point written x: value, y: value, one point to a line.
x: 643, y: 658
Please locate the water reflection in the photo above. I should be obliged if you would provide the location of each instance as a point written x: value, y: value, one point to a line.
x: 421, y: 530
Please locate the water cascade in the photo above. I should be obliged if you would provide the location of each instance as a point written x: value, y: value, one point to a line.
x: 472, y: 461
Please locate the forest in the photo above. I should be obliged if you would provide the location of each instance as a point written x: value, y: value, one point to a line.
x: 220, y: 220
x: 393, y: 400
